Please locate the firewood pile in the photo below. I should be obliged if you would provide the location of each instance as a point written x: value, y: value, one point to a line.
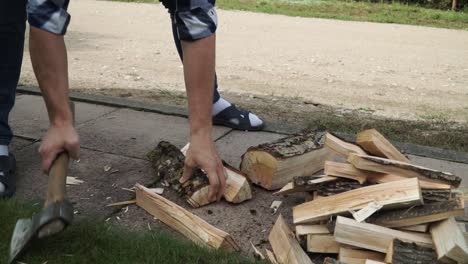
x: 370, y: 205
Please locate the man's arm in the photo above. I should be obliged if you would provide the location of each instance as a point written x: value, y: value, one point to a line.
x: 199, y: 71
x: 49, y: 60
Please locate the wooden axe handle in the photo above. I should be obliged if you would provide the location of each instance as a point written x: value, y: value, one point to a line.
x: 57, y: 179
x: 58, y: 172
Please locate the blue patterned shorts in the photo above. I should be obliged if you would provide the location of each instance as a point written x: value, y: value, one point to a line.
x: 194, y: 19
x: 49, y: 15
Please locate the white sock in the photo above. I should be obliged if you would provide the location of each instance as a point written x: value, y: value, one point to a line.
x: 3, y: 152
x: 219, y: 106
x: 254, y: 120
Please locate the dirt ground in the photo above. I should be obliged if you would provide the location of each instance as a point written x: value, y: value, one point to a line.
x: 396, y: 71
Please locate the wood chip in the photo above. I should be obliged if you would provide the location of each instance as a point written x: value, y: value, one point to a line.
x: 73, y: 181
x: 157, y: 190
x: 129, y: 189
x: 122, y: 203
x: 367, y: 211
x: 257, y: 252
x: 271, y: 256
x: 185, y: 148
x: 107, y: 168
x: 275, y: 205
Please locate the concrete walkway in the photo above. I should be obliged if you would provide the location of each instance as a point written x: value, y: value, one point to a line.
x: 120, y: 138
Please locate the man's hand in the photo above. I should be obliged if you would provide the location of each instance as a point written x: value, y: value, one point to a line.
x: 202, y: 154
x: 59, y: 138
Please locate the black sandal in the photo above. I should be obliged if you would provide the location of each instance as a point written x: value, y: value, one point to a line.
x: 8, y: 179
x: 236, y: 119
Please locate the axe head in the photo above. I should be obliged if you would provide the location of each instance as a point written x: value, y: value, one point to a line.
x: 22, y: 236
x: 49, y: 221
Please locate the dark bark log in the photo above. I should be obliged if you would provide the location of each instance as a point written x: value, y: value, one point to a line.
x: 168, y: 163
x: 418, y: 214
x: 411, y: 253
x: 295, y: 145
x: 449, y: 178
x: 339, y: 186
x: 434, y: 196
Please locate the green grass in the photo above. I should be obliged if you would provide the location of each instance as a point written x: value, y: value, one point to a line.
x: 95, y: 243
x: 349, y: 10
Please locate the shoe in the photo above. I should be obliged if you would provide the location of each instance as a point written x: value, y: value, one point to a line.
x: 8, y: 179
x: 236, y: 119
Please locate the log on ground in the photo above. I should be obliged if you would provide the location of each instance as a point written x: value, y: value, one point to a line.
x: 272, y: 165
x: 168, y: 162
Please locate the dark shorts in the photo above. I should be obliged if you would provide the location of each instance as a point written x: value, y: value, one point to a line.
x: 49, y: 15
x: 194, y: 19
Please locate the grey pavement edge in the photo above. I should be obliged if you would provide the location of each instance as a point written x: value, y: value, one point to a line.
x: 407, y: 148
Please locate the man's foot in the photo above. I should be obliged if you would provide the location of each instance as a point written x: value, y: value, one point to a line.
x: 227, y: 114
x: 7, y: 176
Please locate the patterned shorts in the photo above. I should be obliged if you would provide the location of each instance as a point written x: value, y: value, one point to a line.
x: 49, y: 15
x: 194, y: 19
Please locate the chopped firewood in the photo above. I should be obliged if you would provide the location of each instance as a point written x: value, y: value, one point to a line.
x: 423, y: 228
x: 181, y: 220
x: 376, y: 144
x: 274, y: 164
x: 430, y: 179
x: 401, y: 252
x: 403, y: 193
x: 284, y: 244
x: 257, y: 252
x: 168, y: 162
x: 449, y: 241
x: 73, y: 181
x: 322, y: 244
x: 372, y: 237
x: 341, y: 147
x: 275, y: 205
x: 358, y: 256
x: 271, y: 257
x: 237, y: 186
x: 422, y: 214
x: 344, y: 170
x: 302, y: 230
x: 121, y: 203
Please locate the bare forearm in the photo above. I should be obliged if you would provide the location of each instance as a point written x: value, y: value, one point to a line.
x: 199, y: 71
x: 49, y: 60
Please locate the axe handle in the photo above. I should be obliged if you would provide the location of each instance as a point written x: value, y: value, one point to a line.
x: 57, y: 179
x: 58, y: 174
